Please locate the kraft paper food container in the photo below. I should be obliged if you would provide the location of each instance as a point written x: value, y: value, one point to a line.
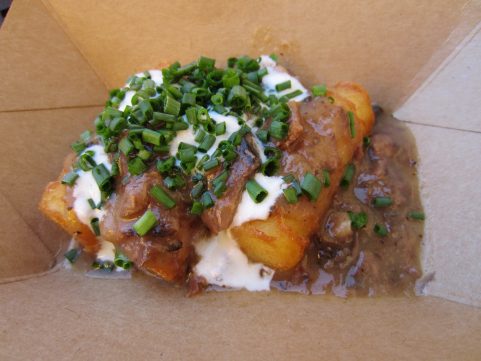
x: 58, y: 58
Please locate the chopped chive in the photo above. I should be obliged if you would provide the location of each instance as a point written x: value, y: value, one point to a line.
x: 237, y: 97
x: 197, y: 208
x: 206, y: 200
x: 188, y: 99
x: 263, y: 135
x: 162, y: 197
x: 180, y: 126
x: 126, y: 146
x: 202, y: 115
x: 352, y: 124
x: 151, y: 136
x: 164, y: 166
x: 122, y: 261
x: 94, y: 223
x: 262, y: 72
x: 417, y: 215
x: 210, y: 164
x: 256, y: 191
x: 283, y: 86
x: 319, y: 90
x: 366, y: 141
x: 219, y: 189
x: 206, y: 143
x: 102, y: 176
x: 72, y: 255
x: 290, y: 194
x: 144, y: 154
x: 174, y: 182
x: 92, y: 203
x: 145, y: 223
x: 191, y: 114
x: 293, y: 94
x: 205, y: 64
x: 70, y: 178
x: 171, y: 106
x: 220, y: 128
x: 78, y: 146
x: 348, y: 175
x: 274, y: 57
x: 289, y: 178
x: 217, y: 99
x: 197, y: 190
x: 358, y: 220
x: 272, y: 152
x: 162, y: 117
x: 199, y: 136
x: 311, y: 186
x: 382, y: 201
x: 326, y: 178
x: 187, y: 155
x: 270, y: 167
x: 278, y: 129
x: 295, y: 184
x: 136, y: 166
x: 380, y: 230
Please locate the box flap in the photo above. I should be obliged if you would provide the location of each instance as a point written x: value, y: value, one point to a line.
x: 146, y: 319
x: 30, y: 159
x: 39, y: 66
x: 381, y: 44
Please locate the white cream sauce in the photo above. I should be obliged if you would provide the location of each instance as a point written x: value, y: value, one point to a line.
x: 248, y: 210
x: 86, y: 187
x: 276, y: 75
x: 106, y: 252
x: 223, y: 263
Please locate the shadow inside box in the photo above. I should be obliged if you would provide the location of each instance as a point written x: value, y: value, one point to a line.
x: 4, y: 6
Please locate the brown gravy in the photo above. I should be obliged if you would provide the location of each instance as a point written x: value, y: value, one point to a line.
x: 359, y: 262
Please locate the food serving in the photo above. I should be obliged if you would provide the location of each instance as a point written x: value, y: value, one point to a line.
x: 240, y: 177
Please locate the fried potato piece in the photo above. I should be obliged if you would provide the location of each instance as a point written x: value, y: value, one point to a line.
x: 326, y: 143
x: 54, y: 205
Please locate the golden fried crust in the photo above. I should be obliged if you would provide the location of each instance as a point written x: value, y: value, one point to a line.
x: 54, y: 205
x: 280, y: 241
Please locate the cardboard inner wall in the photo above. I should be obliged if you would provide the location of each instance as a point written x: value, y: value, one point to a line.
x: 56, y: 57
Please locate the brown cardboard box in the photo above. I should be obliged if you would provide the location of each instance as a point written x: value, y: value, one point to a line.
x: 59, y: 57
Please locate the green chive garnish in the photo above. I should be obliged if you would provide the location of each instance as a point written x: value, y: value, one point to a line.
x: 151, y: 136
x: 126, y: 146
x: 102, y: 176
x: 94, y: 223
x: 352, y: 124
x: 145, y: 223
x: 162, y: 197
x: 256, y: 191
x: 290, y: 194
x: 164, y: 166
x: 382, y: 201
x: 358, y: 220
x: 311, y: 186
x: 417, y: 215
x: 122, y: 261
x: 220, y: 128
x: 171, y: 106
x: 206, y: 143
x: 197, y: 208
x: 206, y: 200
x: 136, y: 166
x: 319, y: 90
x: 380, y: 230
x: 283, y: 86
x: 278, y: 129
x: 70, y: 178
x: 348, y: 175
x: 326, y: 178
x: 210, y: 164
x: 72, y: 255
x: 197, y: 190
x: 205, y: 64
x: 270, y: 167
x: 263, y: 135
